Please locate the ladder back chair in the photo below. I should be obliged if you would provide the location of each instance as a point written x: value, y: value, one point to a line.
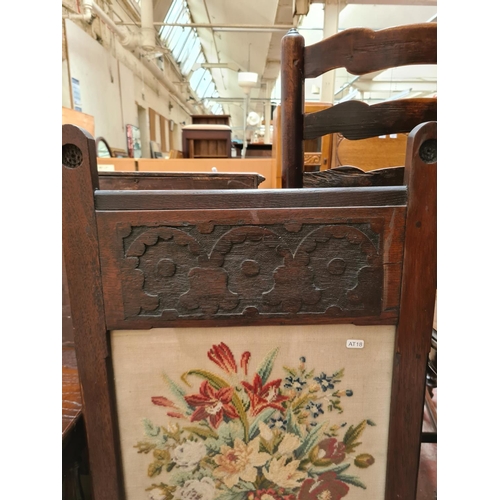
x: 250, y: 344
x: 360, y: 51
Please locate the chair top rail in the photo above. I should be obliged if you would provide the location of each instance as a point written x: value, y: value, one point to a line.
x: 362, y: 50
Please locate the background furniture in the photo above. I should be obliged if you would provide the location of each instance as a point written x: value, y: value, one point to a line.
x: 254, y: 150
x: 262, y: 166
x: 206, y: 141
x: 179, y: 180
x: 369, y: 154
x: 210, y: 119
x: 359, y: 51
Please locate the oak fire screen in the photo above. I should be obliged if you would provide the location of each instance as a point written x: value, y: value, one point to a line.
x: 252, y: 344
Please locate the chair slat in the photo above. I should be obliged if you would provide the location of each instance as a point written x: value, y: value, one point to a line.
x: 362, y: 50
x: 358, y: 120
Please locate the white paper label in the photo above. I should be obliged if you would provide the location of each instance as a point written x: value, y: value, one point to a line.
x: 355, y: 344
x: 105, y: 168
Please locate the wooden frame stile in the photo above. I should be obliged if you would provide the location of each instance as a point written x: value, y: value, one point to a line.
x: 92, y: 347
x: 396, y: 287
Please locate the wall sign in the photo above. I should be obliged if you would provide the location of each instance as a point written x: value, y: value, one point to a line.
x: 77, y: 98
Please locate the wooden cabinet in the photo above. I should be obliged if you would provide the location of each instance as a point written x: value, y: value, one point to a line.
x: 210, y: 119
x: 206, y: 141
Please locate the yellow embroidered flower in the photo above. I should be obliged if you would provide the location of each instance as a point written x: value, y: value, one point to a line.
x: 239, y: 462
x: 265, y: 431
x: 289, y: 444
x: 286, y: 476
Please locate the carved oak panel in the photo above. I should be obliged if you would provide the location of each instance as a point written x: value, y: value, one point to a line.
x: 221, y: 270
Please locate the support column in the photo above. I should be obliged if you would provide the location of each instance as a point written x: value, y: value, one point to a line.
x: 267, y: 114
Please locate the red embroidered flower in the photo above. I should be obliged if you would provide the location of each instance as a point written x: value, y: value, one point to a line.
x: 327, y: 486
x: 331, y: 449
x: 212, y: 404
x: 262, y: 397
x: 222, y: 356
x: 278, y: 494
x: 245, y: 358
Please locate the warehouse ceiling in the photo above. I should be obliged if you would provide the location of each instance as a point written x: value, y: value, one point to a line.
x: 229, y: 47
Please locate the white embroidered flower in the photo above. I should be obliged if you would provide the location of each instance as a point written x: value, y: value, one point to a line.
x: 286, y: 476
x: 187, y: 455
x: 289, y: 444
x: 195, y: 489
x: 265, y: 431
x: 156, y: 495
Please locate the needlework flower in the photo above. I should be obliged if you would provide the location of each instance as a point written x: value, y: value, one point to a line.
x: 212, y: 404
x: 239, y: 462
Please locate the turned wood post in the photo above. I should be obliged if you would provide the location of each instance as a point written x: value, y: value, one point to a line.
x: 292, y: 109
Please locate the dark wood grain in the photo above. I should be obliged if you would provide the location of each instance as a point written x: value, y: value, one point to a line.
x: 81, y: 255
x: 354, y: 177
x: 358, y: 120
x: 414, y: 330
x: 265, y: 266
x: 179, y: 180
x: 362, y: 50
x: 292, y: 112
x: 250, y: 198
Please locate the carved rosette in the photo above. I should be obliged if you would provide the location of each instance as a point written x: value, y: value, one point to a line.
x: 220, y: 271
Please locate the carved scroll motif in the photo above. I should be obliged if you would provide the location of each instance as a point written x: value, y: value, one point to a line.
x: 219, y: 271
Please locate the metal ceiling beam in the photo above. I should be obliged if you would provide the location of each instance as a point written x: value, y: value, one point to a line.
x: 221, y: 26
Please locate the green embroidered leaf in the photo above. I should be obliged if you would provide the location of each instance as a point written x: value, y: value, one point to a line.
x: 144, y: 447
x: 263, y: 416
x: 309, y: 442
x: 233, y: 495
x: 332, y: 467
x: 291, y: 371
x: 178, y: 392
x: 292, y: 426
x: 155, y: 468
x: 371, y: 422
x: 266, y: 367
x: 351, y: 480
x: 214, y: 380
x: 150, y: 429
x: 203, y: 432
x: 161, y: 455
x: 352, y: 434
x: 229, y: 432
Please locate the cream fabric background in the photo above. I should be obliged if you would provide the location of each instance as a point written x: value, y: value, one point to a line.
x: 140, y: 358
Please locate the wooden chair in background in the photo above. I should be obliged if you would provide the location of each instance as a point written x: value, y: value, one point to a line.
x: 360, y: 51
